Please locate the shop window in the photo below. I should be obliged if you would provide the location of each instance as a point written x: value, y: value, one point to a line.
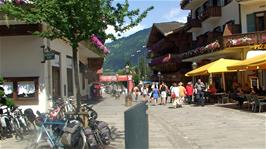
x: 21, y: 87
x: 26, y: 89
x: 8, y: 87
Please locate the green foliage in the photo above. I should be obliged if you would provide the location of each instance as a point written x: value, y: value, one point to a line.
x: 76, y: 20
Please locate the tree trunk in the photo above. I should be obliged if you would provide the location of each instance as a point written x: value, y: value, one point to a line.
x: 76, y: 75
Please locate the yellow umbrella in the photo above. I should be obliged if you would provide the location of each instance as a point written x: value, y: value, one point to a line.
x: 218, y: 66
x: 257, y: 62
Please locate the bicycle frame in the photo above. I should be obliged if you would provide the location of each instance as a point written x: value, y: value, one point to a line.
x: 52, y: 142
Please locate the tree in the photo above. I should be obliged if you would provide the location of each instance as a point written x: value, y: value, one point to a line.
x: 75, y: 20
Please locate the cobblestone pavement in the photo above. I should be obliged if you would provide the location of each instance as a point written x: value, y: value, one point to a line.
x: 189, y: 127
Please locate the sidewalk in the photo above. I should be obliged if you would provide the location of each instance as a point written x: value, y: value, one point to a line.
x: 209, y: 127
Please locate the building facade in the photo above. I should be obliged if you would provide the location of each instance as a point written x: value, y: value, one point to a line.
x: 232, y: 29
x: 166, y: 41
x: 33, y: 81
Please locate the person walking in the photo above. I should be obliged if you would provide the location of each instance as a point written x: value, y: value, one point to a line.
x: 155, y: 95
x: 182, y: 94
x: 136, y: 92
x: 189, y: 91
x: 163, y: 89
x: 200, y: 87
x: 175, y: 94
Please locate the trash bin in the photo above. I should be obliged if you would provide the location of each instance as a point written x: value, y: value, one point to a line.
x: 136, y: 127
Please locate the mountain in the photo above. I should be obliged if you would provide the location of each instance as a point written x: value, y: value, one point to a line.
x: 125, y: 49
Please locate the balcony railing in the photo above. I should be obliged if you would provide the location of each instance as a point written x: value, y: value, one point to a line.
x: 161, y: 45
x: 193, y: 23
x: 212, y: 11
x: 235, y: 40
x: 245, y: 39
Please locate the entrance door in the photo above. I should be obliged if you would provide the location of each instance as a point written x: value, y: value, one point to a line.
x: 56, y: 82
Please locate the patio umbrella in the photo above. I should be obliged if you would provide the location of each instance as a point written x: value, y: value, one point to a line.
x: 257, y: 62
x: 219, y: 66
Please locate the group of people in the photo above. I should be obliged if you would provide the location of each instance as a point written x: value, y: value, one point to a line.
x: 177, y: 93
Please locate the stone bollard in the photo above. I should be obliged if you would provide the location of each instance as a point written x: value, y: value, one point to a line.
x: 128, y: 100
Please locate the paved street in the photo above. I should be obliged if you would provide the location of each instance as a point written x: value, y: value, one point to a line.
x: 209, y: 127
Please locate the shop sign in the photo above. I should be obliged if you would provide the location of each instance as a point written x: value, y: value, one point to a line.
x: 260, y: 47
x: 49, y: 55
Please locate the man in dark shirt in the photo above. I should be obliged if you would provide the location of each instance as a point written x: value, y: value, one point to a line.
x: 200, y: 87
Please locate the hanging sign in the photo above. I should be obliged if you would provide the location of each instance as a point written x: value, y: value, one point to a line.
x: 49, y: 55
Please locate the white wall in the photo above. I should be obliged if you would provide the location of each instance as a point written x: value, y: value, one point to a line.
x: 229, y: 12
x: 248, y: 9
x: 21, y: 57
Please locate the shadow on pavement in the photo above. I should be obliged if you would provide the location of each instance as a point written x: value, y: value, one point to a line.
x: 236, y: 107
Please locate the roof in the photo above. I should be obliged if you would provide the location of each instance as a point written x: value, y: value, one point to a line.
x: 167, y: 28
x: 161, y: 30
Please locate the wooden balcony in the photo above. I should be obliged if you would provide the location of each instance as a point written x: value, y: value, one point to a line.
x: 212, y: 36
x: 192, y: 25
x: 211, y: 13
x: 19, y: 29
x: 244, y: 39
x: 256, y: 39
x: 161, y: 45
x: 190, y: 4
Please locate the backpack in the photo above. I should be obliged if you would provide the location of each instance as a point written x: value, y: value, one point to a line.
x: 71, y: 133
x: 30, y: 114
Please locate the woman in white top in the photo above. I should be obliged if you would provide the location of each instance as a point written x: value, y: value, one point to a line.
x: 175, y: 94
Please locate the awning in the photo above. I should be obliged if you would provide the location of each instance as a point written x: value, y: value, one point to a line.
x: 218, y: 66
x: 257, y: 62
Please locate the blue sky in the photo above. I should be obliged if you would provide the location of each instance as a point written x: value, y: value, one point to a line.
x: 164, y: 11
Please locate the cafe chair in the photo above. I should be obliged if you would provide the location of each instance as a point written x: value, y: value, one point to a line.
x: 259, y: 104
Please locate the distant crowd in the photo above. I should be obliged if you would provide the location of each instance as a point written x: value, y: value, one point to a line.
x: 177, y: 93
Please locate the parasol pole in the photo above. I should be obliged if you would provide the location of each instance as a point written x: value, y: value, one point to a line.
x: 223, y: 78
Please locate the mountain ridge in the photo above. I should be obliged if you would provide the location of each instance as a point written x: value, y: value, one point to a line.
x: 130, y: 48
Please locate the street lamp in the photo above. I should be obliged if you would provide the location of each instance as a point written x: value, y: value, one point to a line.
x: 194, y: 66
x: 159, y: 75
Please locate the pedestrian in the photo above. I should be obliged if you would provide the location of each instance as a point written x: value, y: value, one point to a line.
x: 145, y: 91
x: 163, y: 89
x: 170, y: 92
x: 156, y: 95
x: 175, y: 94
x: 182, y: 94
x: 189, y: 90
x: 200, y: 87
x: 136, y: 93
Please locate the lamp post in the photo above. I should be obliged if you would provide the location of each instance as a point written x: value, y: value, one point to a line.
x: 159, y: 76
x: 194, y: 66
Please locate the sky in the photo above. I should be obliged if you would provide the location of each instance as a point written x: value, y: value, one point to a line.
x: 164, y: 11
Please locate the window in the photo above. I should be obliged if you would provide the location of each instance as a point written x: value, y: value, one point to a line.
x: 8, y: 88
x: 21, y: 88
x: 260, y: 21
x: 69, y: 82
x: 26, y: 89
x: 70, y: 91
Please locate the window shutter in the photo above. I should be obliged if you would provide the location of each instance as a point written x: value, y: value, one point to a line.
x: 251, y: 23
